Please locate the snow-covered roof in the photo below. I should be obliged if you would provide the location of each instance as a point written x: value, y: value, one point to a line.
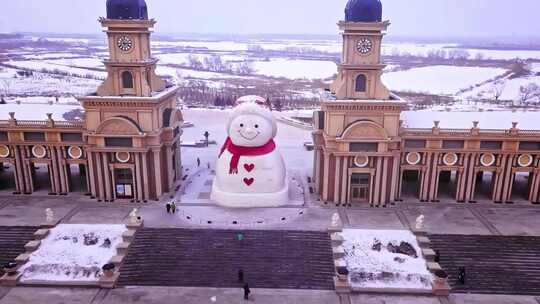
x: 36, y: 111
x: 464, y: 120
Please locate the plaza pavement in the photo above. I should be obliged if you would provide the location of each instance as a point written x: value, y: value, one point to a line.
x: 440, y: 218
x: 174, y: 295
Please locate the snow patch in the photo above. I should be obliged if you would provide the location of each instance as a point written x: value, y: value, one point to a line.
x: 374, y: 266
x: 73, y: 253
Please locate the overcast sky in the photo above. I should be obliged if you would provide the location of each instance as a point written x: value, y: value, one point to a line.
x: 421, y: 18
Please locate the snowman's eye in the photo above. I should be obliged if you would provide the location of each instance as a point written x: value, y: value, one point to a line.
x: 256, y: 126
x: 241, y: 125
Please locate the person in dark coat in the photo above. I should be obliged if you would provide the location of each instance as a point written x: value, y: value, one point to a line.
x: 461, y: 276
x: 247, y: 291
x: 168, y: 206
x: 240, y: 276
x: 198, y: 162
x: 437, y: 258
x: 173, y: 207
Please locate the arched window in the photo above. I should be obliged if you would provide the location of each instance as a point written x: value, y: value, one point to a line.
x: 361, y: 83
x: 127, y: 80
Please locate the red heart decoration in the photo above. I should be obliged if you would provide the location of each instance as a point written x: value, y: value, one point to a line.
x: 249, y: 167
x: 249, y: 181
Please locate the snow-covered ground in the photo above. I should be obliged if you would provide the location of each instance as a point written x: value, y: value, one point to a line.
x: 73, y: 253
x: 376, y: 266
x: 51, y: 67
x: 296, y: 69
x: 446, y: 80
x: 509, y: 89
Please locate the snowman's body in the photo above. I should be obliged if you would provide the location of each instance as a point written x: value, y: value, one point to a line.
x: 250, y: 171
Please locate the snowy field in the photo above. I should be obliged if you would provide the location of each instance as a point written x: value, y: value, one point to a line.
x: 385, y: 259
x: 296, y: 69
x: 73, y: 253
x: 444, y: 80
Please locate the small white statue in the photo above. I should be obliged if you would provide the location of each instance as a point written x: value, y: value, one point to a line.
x: 420, y: 222
x: 49, y: 214
x: 335, y: 220
x: 134, y: 216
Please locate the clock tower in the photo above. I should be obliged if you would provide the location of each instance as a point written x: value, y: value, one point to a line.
x: 360, y: 70
x: 356, y: 133
x: 133, y: 126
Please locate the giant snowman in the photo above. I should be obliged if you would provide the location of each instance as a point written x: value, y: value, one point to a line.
x: 250, y: 171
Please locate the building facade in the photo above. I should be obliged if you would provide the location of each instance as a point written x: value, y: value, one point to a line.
x: 127, y: 147
x: 365, y: 154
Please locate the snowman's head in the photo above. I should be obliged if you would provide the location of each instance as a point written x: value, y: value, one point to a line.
x: 251, y: 125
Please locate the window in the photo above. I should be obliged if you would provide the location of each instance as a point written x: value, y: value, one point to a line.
x: 360, y: 179
x: 34, y: 136
x: 318, y: 119
x: 361, y: 83
x: 415, y: 144
x: 491, y: 145
x: 453, y: 144
x: 3, y: 136
x: 118, y: 142
x: 71, y: 137
x: 364, y: 147
x: 127, y: 80
x: 529, y: 146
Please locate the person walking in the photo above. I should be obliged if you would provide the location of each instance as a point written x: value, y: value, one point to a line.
x: 240, y: 276
x: 198, y: 162
x: 173, y: 207
x: 247, y: 291
x: 168, y: 206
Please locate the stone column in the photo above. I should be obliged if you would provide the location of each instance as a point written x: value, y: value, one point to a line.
x: 138, y: 179
x: 90, y: 170
x: 325, y: 177
x: 337, y: 177
x: 107, y: 177
x: 145, y: 176
x: 158, y: 172
x: 345, y: 180
x: 99, y: 169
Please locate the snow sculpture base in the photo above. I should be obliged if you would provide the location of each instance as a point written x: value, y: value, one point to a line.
x: 250, y: 200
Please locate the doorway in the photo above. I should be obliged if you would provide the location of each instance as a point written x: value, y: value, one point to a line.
x: 7, y: 177
x: 124, y: 183
x: 360, y: 187
x: 483, y: 190
x: 521, y: 186
x: 77, y: 178
x: 411, y: 184
x: 447, y: 185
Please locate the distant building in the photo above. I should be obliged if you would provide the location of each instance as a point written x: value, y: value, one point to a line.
x: 128, y: 146
x: 368, y: 150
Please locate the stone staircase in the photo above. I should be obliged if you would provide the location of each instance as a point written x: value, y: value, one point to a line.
x: 212, y: 258
x: 12, y: 241
x: 494, y: 264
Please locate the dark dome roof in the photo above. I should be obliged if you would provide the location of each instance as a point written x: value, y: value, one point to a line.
x: 363, y: 11
x: 127, y: 9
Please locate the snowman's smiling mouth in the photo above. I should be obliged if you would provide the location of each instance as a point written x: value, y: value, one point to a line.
x: 247, y: 137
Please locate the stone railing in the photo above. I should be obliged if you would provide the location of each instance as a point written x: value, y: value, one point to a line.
x: 41, y: 124
x: 468, y: 132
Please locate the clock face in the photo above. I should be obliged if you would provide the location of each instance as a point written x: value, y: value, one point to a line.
x: 125, y: 43
x: 364, y: 46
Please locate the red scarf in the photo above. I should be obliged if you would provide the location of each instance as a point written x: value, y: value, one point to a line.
x: 238, y: 151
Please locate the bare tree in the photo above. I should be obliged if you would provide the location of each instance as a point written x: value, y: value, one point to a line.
x: 497, y: 89
x: 529, y: 93
x: 6, y: 87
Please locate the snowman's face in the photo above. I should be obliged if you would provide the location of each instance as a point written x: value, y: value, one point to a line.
x: 250, y: 131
